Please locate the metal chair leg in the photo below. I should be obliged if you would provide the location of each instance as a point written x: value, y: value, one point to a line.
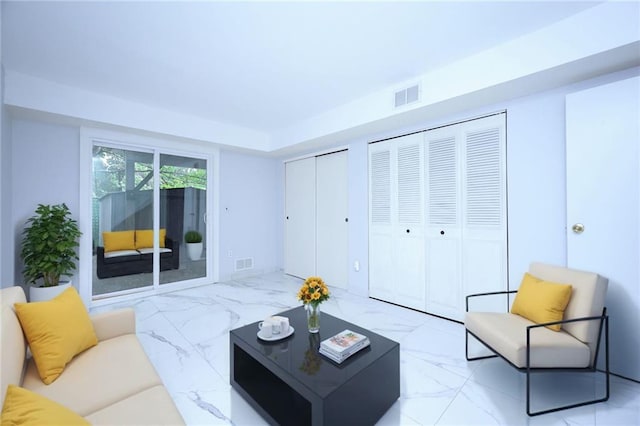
x: 579, y: 404
x: 466, y: 349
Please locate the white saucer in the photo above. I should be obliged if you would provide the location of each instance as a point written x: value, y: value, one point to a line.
x: 275, y: 337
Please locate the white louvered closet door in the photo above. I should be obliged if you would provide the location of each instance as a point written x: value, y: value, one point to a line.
x: 466, y: 235
x: 437, y: 217
x: 396, y: 221
x: 484, y: 251
x: 381, y: 264
x: 444, y: 230
x: 409, y: 229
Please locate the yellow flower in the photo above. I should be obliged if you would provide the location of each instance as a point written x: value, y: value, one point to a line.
x: 313, y: 290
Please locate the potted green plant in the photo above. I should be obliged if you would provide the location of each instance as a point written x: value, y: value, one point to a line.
x: 193, y: 239
x: 49, y: 243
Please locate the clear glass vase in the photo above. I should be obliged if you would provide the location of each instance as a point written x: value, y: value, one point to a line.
x: 313, y: 317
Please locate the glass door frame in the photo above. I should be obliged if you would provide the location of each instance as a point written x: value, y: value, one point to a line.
x: 89, y: 137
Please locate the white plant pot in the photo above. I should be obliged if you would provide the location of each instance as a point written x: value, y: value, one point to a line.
x: 42, y: 294
x: 194, y: 250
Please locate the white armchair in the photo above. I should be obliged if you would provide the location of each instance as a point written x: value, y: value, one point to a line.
x: 531, y: 347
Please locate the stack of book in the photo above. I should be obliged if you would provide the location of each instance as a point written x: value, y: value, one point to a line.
x: 343, y: 345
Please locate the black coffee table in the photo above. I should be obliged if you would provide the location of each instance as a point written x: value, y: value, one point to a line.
x: 289, y: 383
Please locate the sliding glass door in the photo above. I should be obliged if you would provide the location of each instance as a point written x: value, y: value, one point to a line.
x: 144, y: 203
x: 183, y: 202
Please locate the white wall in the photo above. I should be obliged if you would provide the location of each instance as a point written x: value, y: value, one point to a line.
x: 6, y: 250
x: 250, y: 212
x: 29, y: 92
x: 537, y: 176
x: 45, y: 171
x: 6, y: 255
x: 46, y: 158
x: 549, y: 57
x: 535, y: 172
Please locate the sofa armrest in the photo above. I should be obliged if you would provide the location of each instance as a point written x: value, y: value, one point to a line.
x: 593, y: 346
x: 175, y: 252
x: 115, y: 323
x: 602, y: 317
x: 168, y: 243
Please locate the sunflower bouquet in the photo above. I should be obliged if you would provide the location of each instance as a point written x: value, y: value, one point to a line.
x: 313, y: 292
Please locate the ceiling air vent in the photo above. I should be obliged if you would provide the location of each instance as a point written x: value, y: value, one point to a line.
x: 407, y: 96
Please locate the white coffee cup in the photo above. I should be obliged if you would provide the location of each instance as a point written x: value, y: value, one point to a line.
x: 284, y: 325
x: 276, y: 324
x: 266, y: 328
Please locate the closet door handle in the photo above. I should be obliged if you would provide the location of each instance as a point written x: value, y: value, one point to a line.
x: 441, y: 232
x: 408, y: 230
x: 346, y: 219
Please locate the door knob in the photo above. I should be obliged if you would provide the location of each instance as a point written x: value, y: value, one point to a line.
x: 578, y: 228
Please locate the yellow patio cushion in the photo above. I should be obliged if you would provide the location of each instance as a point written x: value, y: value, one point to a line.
x: 119, y: 240
x: 144, y: 238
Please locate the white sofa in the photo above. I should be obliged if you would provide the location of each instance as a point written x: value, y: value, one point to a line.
x: 112, y: 383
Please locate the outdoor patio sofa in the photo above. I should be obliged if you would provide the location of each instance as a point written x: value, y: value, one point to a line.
x: 131, y: 252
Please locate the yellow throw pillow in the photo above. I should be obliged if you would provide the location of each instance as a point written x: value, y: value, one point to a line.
x: 23, y: 407
x: 118, y: 240
x: 57, y: 330
x: 541, y: 301
x: 144, y: 238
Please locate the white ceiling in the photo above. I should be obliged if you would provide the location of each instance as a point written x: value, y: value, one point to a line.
x: 259, y: 65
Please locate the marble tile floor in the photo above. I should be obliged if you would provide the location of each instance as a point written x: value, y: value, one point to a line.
x: 185, y: 334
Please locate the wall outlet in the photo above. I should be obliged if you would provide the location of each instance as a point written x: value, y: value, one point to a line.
x: 230, y: 253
